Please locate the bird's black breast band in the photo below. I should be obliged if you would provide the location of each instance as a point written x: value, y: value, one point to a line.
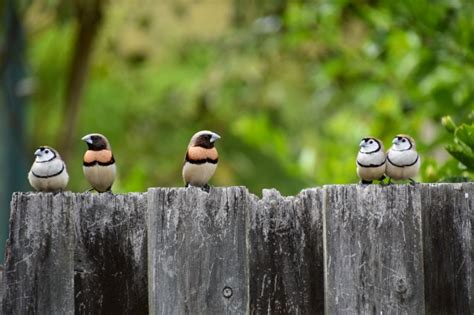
x: 202, y: 161
x: 406, y: 165
x: 48, y: 176
x: 370, y: 165
x: 112, y: 161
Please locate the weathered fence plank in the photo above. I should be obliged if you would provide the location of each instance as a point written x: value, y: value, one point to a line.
x: 338, y: 249
x: 110, y: 261
x: 373, y: 250
x: 286, y: 254
x: 39, y: 263
x: 197, y: 251
x: 448, y: 218
x: 76, y: 253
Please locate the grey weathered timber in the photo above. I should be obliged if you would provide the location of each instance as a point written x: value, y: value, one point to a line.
x: 286, y: 254
x: 346, y: 249
x: 110, y: 260
x: 448, y: 223
x: 373, y: 250
x: 39, y: 260
x: 76, y: 253
x: 197, y: 243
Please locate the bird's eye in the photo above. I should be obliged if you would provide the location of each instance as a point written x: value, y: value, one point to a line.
x: 404, y: 140
x: 371, y: 141
x: 46, y: 151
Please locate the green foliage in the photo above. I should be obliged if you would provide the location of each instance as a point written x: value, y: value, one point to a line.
x: 463, y: 147
x: 291, y: 93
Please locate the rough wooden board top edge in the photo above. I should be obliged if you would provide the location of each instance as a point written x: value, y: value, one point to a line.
x: 71, y: 193
x: 212, y: 188
x: 417, y: 185
x: 78, y: 197
x: 265, y: 191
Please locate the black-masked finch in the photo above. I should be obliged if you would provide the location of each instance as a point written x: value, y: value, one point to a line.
x: 98, y: 162
x: 371, y: 160
x: 403, y: 162
x: 48, y: 172
x: 201, y: 159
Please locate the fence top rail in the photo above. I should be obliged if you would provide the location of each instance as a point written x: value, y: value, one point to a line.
x: 265, y: 193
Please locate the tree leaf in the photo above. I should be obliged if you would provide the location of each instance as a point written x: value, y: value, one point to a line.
x: 465, y: 133
x: 462, y: 155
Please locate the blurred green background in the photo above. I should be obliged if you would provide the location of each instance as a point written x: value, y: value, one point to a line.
x: 291, y: 86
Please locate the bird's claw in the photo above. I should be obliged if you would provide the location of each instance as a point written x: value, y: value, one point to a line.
x: 206, y: 188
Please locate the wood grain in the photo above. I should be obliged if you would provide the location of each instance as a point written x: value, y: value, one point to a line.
x: 286, y: 254
x: 110, y: 260
x: 373, y: 250
x: 448, y: 247
x: 197, y: 250
x: 342, y: 249
x: 39, y: 262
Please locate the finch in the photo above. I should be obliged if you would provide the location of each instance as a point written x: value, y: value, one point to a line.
x: 403, y: 162
x: 201, y: 159
x: 371, y: 160
x: 48, y: 172
x: 98, y: 162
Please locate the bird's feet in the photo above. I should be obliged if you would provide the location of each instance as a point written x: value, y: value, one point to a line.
x: 365, y: 182
x: 412, y: 182
x: 204, y: 187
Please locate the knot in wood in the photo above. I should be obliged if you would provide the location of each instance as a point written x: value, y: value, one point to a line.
x: 401, y: 286
x: 227, y: 292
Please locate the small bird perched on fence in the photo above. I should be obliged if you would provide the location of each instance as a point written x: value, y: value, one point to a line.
x: 371, y: 160
x: 403, y: 162
x: 48, y: 172
x: 201, y: 159
x: 98, y: 162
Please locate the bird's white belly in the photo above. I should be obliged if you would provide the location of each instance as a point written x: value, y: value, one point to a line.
x: 367, y: 172
x: 400, y: 158
x: 55, y: 183
x: 406, y: 172
x: 100, y: 177
x: 370, y: 173
x: 198, y: 174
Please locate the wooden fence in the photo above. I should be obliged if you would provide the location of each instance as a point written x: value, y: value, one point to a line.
x: 345, y: 249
